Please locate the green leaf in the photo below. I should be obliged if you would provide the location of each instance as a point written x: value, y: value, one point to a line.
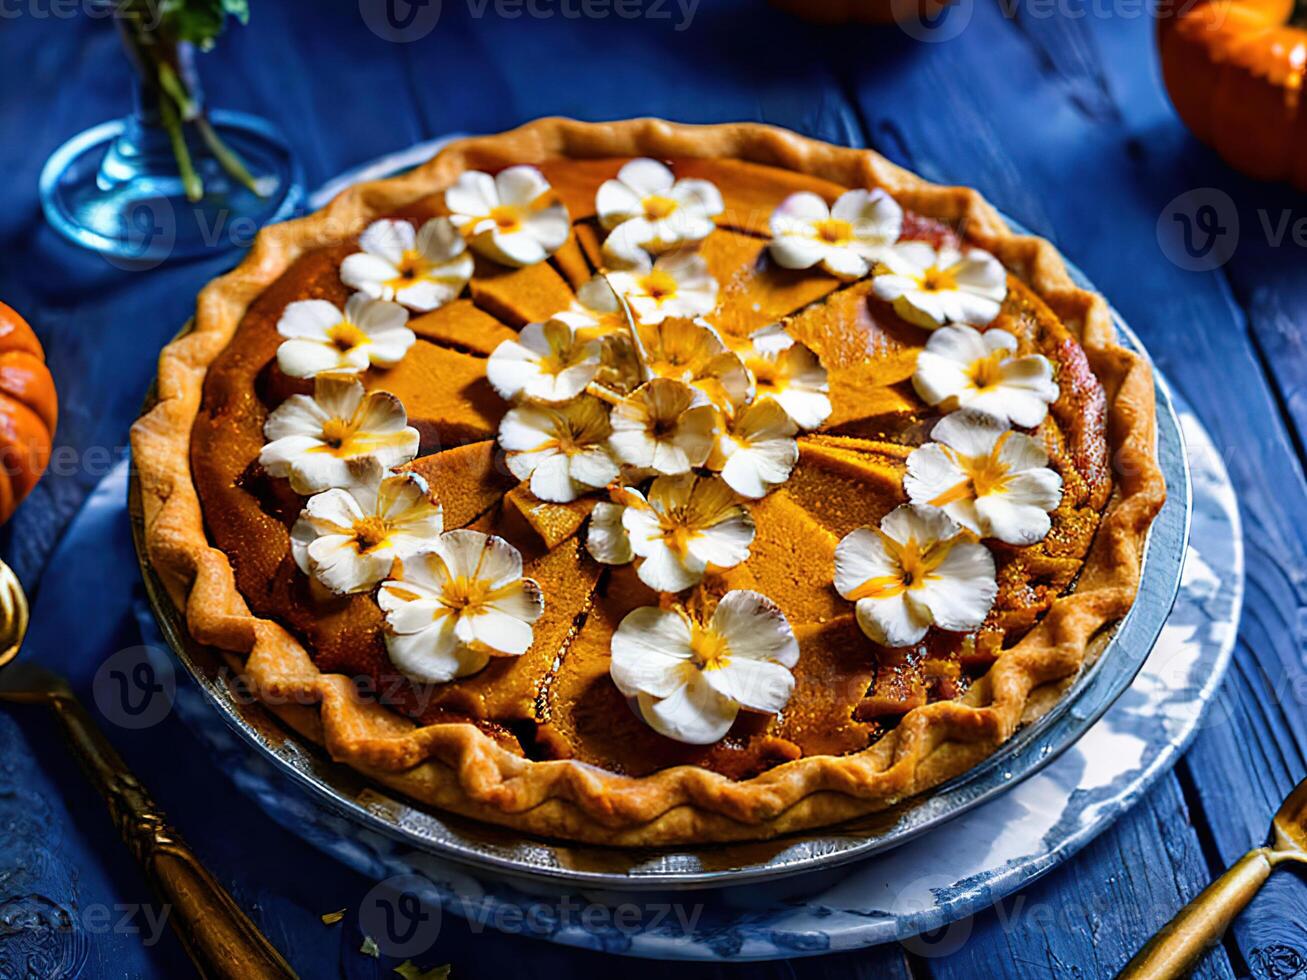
x: 411, y: 971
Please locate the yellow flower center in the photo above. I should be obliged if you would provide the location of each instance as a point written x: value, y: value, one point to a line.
x: 658, y: 285
x: 937, y: 280
x: 346, y: 336
x: 336, y: 431
x: 657, y: 207
x: 506, y: 217
x: 985, y: 372
x: 709, y: 650
x: 370, y: 533
x: 916, y: 567
x: 464, y: 593
x: 833, y: 231
x: 984, y: 475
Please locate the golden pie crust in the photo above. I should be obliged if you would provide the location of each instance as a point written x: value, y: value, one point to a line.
x: 458, y: 766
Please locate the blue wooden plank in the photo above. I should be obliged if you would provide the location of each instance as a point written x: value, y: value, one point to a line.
x: 1082, y: 920
x: 1044, y: 140
x: 513, y: 70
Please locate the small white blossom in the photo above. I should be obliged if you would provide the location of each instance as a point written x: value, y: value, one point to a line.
x: 321, y: 338
x: 677, y: 284
x: 329, y: 439
x: 562, y: 450
x: 991, y: 480
x: 918, y: 570
x: 961, y: 367
x: 756, y: 451
x: 550, y: 362
x: 690, y: 679
x: 845, y: 240
x: 350, y: 539
x: 420, y: 269
x: 646, y: 209
x: 685, y: 524
x: 457, y: 605
x: 663, y: 427
x: 787, y: 371
x: 931, y: 288
x: 511, y: 217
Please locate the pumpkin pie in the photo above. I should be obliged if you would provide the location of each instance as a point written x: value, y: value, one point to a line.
x: 640, y: 483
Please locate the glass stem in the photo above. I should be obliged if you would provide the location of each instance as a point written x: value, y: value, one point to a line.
x: 169, y: 83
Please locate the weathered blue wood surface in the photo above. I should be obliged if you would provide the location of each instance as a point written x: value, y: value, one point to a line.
x: 1060, y: 120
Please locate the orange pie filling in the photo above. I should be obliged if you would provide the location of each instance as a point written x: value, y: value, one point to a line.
x: 557, y: 700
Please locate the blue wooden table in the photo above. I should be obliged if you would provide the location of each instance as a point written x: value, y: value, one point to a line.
x: 1055, y: 112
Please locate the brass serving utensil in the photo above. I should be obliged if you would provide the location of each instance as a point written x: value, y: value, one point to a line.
x: 217, y: 935
x: 1199, y: 925
x: 13, y: 614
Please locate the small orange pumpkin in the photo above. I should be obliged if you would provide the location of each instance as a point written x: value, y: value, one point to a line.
x: 29, y: 410
x: 1234, y: 70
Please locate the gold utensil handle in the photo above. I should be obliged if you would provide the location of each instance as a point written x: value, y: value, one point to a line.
x: 1199, y: 925
x: 218, y: 936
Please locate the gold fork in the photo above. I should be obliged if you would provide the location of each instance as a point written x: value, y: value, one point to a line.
x: 1200, y: 924
x: 220, y: 938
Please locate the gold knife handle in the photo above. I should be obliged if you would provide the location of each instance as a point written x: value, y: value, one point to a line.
x: 1200, y: 924
x: 218, y: 936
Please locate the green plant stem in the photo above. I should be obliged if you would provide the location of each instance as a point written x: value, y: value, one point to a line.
x: 227, y: 158
x: 175, y: 88
x: 191, y: 181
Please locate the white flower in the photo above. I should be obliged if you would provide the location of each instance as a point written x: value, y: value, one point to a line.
x: 646, y: 208
x: 458, y: 605
x: 607, y: 539
x: 323, y: 339
x: 329, y: 439
x: 989, y: 479
x: 422, y: 270
x: 677, y: 284
x: 561, y: 449
x: 510, y: 217
x: 686, y: 524
x: 595, y: 311
x: 964, y: 368
x: 920, y: 569
x: 549, y: 361
x: 692, y: 353
x: 786, y: 370
x: 349, y: 539
x: 661, y: 426
x: 931, y: 288
x: 691, y: 679
x: 845, y: 239
x: 757, y: 451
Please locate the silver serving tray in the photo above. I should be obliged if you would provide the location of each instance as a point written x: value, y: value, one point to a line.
x: 511, y: 853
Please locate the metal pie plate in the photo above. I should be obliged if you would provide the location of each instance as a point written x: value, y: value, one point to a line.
x: 505, y: 852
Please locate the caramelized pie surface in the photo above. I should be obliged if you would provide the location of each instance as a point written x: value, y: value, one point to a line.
x: 557, y: 700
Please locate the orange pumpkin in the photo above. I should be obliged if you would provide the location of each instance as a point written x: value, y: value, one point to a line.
x: 1234, y: 70
x: 29, y: 410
